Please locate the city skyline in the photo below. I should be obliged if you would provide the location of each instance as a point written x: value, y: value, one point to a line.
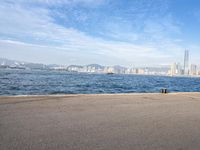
x: 176, y: 69
x: 108, y: 32
x: 186, y: 69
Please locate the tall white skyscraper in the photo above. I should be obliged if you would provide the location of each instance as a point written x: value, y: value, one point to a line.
x: 186, y: 62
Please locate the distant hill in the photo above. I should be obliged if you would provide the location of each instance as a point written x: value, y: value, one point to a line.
x: 96, y: 66
x: 91, y: 68
x: 21, y: 64
x: 4, y: 61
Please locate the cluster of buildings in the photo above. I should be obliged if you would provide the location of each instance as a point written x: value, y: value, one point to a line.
x: 95, y: 68
x: 187, y: 69
x: 177, y: 69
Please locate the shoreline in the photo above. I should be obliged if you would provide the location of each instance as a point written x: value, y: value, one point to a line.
x: 106, y: 94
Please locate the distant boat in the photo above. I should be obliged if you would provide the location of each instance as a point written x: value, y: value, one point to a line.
x: 109, y: 73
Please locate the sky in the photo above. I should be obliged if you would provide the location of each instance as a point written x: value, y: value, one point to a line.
x: 108, y: 32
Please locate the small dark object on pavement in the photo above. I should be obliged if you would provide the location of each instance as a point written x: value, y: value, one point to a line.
x: 164, y: 91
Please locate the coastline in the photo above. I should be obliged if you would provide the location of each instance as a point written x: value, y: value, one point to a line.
x: 103, y: 94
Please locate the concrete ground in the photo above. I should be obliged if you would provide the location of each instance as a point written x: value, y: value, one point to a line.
x: 101, y: 122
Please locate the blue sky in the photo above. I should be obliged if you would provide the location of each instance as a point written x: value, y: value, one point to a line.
x: 108, y: 32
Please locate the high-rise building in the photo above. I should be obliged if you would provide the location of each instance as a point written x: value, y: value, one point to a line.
x: 176, y: 69
x: 179, y: 69
x: 173, y: 69
x: 186, y: 62
x: 193, y: 69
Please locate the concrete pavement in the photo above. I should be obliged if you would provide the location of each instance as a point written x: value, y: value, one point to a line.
x: 101, y: 122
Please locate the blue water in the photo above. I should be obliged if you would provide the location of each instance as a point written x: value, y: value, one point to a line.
x: 25, y: 82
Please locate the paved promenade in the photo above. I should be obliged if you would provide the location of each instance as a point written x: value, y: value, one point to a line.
x: 101, y: 122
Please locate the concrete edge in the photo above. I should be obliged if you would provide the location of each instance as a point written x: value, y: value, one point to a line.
x: 117, y: 94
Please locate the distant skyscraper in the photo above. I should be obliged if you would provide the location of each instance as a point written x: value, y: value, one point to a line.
x: 173, y: 69
x: 193, y: 69
x: 186, y: 63
x: 176, y: 69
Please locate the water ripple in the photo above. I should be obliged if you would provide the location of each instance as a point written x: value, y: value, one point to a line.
x: 24, y: 82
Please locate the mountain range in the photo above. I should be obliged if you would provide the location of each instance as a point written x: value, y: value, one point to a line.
x: 92, y: 68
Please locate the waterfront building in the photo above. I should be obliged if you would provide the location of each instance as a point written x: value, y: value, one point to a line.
x: 173, y: 69
x: 176, y: 69
x: 186, y: 62
x: 193, y: 69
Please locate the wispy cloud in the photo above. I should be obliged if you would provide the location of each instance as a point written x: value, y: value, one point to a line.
x: 33, y: 29
x: 55, y: 2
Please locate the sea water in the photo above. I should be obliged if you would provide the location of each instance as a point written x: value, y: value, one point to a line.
x: 41, y: 82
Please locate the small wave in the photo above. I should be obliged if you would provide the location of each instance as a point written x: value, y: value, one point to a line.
x: 60, y: 83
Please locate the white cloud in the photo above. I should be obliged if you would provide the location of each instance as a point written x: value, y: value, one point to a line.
x: 55, y: 2
x: 32, y: 31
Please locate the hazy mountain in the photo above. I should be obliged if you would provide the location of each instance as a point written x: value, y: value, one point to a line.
x: 20, y: 64
x: 91, y: 68
x: 4, y: 61
x: 96, y: 66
